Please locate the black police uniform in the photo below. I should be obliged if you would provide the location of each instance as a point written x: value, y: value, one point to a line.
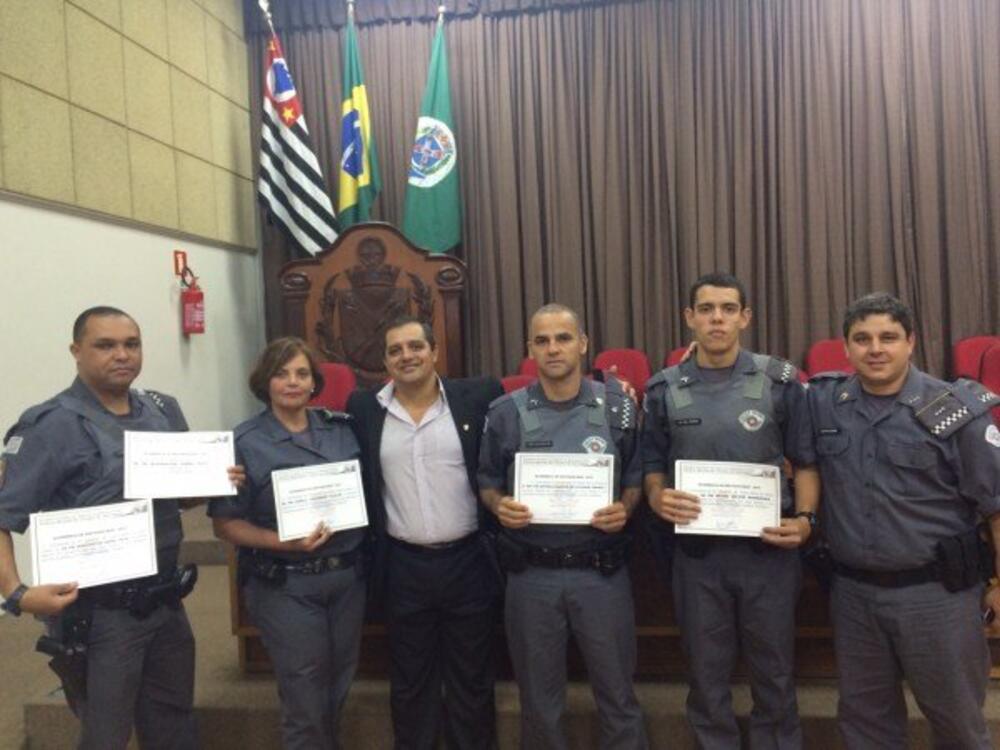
x: 733, y: 592
x: 902, y: 474
x: 68, y: 453
x: 573, y: 577
x: 309, y: 606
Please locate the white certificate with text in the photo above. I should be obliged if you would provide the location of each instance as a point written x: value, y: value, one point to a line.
x: 736, y: 499
x: 564, y: 488
x: 331, y: 493
x: 94, y: 545
x: 178, y: 464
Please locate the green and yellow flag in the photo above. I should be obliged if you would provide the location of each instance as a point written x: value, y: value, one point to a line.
x: 432, y: 214
x: 360, y: 183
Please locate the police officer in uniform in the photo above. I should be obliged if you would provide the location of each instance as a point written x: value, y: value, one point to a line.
x: 307, y: 595
x: 727, y: 404
x: 565, y: 578
x: 909, y: 465
x: 67, y: 453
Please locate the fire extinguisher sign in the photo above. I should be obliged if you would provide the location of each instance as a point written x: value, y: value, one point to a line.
x: 180, y: 262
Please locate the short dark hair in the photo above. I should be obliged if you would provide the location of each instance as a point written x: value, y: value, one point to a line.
x: 878, y: 303
x: 556, y: 308
x: 720, y: 279
x: 276, y: 355
x: 100, y: 311
x: 405, y: 320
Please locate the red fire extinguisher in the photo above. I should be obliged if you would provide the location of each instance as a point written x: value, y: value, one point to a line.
x: 192, y: 304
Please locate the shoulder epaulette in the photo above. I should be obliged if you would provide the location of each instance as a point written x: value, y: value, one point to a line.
x: 331, y: 416
x: 499, y: 400
x: 975, y: 395
x: 621, y: 409
x: 829, y: 375
x: 781, y: 370
x: 659, y: 377
x: 156, y: 397
x: 36, y: 412
x: 242, y: 429
x: 943, y: 413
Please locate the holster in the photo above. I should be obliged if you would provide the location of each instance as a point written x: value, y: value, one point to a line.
x: 67, y: 646
x: 142, y: 601
x: 963, y: 560
x: 261, y: 567
x: 818, y: 559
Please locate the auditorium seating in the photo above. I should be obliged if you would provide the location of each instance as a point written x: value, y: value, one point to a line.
x: 632, y: 365
x: 340, y: 381
x: 967, y: 356
x: 513, y: 382
x: 990, y: 373
x: 528, y: 367
x: 674, y: 357
x: 827, y: 355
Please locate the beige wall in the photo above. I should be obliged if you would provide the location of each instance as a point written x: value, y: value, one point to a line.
x: 132, y: 108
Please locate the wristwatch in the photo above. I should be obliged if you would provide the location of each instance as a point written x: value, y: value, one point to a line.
x: 810, y: 517
x: 12, y: 603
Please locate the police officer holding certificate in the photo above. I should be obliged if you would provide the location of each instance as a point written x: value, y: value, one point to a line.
x: 728, y: 404
x: 125, y: 651
x: 564, y: 578
x: 307, y: 595
x: 910, y: 466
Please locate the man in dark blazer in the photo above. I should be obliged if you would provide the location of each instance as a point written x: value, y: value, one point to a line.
x: 431, y: 569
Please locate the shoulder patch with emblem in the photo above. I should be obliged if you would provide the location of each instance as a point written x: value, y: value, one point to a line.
x: 13, y: 445
x: 993, y: 435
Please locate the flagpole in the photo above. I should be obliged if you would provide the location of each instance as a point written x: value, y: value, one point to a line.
x: 441, y: 12
x: 265, y: 6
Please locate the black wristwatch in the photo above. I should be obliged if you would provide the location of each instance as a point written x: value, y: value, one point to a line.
x: 810, y: 517
x: 12, y: 603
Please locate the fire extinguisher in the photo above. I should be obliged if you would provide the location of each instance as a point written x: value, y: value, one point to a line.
x: 192, y: 304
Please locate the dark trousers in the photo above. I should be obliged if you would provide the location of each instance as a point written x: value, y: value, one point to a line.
x: 442, y: 609
x: 141, y: 672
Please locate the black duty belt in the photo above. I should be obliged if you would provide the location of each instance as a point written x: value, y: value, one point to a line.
x: 322, y: 564
x: 436, y: 549
x: 890, y: 579
x: 142, y: 596
x: 548, y: 557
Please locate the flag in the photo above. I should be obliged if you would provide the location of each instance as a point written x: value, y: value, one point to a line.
x: 291, y: 184
x: 432, y: 214
x: 360, y: 183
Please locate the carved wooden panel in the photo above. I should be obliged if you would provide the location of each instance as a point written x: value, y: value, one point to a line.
x: 342, y: 300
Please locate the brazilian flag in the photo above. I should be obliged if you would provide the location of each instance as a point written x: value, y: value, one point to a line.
x: 432, y: 212
x: 360, y: 183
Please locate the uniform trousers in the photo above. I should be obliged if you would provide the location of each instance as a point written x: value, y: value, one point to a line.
x: 311, y: 627
x: 931, y: 638
x: 139, y: 671
x: 543, y: 606
x: 740, y: 596
x: 442, y: 607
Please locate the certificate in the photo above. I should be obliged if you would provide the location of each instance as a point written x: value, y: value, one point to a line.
x: 564, y: 487
x: 178, y: 464
x: 331, y: 493
x: 736, y: 499
x: 94, y: 545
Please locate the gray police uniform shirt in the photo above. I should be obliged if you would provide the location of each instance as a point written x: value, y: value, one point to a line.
x: 899, y: 478
x: 601, y: 419
x: 264, y: 445
x: 756, y: 415
x: 68, y: 452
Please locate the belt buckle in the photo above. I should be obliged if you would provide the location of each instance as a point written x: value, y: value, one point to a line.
x: 566, y: 559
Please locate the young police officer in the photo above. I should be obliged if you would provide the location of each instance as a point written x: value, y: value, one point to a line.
x: 909, y: 465
x: 727, y: 404
x: 67, y: 453
x: 563, y: 578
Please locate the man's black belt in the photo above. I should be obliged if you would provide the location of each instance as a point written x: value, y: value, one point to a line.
x: 317, y: 565
x: 142, y: 596
x: 549, y: 557
x: 436, y: 549
x: 890, y: 579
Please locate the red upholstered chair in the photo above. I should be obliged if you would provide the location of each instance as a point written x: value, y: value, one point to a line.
x: 990, y: 375
x: 827, y: 356
x: 340, y: 381
x: 513, y: 382
x: 528, y: 367
x: 967, y: 356
x: 632, y: 365
x: 674, y: 357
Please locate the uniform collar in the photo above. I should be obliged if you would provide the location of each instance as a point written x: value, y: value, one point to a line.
x: 387, y: 393
x: 80, y: 391
x: 690, y: 372
x: 911, y: 394
x: 278, y: 432
x: 586, y: 396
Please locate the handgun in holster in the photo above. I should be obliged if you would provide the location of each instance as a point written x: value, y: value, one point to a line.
x: 66, y: 644
x: 143, y: 601
x: 960, y: 560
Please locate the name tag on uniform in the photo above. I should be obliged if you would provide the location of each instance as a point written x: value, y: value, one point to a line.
x: 689, y: 422
x: 829, y: 430
x: 538, y: 444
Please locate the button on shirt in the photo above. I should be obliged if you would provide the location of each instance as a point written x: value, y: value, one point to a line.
x: 891, y: 489
x: 428, y: 498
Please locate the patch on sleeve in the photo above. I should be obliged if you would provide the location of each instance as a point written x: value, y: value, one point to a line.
x: 992, y: 436
x: 13, y: 445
